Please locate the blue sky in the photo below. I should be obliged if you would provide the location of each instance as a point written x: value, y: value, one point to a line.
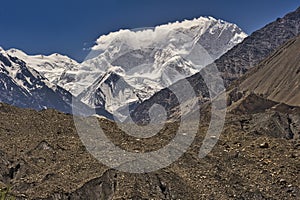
x: 67, y: 26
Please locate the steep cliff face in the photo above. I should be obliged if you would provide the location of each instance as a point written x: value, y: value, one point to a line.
x: 258, y: 46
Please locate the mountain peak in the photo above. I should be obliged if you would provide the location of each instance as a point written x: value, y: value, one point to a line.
x: 151, y: 59
x: 142, y: 37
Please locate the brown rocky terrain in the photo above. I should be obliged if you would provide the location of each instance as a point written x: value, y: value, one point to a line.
x: 278, y: 77
x: 256, y: 157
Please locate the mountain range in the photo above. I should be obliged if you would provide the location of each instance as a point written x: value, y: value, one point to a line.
x: 130, y: 70
x: 129, y: 66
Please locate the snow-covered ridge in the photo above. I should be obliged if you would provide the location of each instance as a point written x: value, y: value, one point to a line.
x: 51, y: 67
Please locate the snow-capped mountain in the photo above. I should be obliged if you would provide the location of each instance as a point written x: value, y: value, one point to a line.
x: 123, y: 68
x: 51, y: 67
x: 23, y: 86
x: 129, y: 66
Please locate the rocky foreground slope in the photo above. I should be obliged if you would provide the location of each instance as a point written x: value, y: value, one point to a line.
x: 256, y: 157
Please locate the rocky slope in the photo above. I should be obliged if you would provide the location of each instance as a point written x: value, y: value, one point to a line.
x: 233, y: 64
x: 277, y: 77
x: 256, y: 157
